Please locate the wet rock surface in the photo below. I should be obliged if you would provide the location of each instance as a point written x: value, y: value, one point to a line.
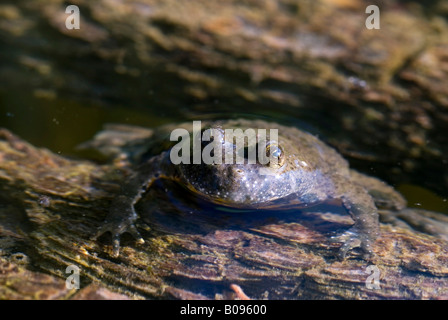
x: 379, y: 96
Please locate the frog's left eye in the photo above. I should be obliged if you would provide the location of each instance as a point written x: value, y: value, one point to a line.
x: 275, y: 153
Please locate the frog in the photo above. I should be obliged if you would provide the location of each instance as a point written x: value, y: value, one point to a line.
x: 305, y: 169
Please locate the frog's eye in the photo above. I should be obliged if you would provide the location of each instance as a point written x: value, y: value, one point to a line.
x: 275, y: 153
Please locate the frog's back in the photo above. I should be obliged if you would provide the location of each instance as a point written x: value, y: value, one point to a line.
x: 136, y: 144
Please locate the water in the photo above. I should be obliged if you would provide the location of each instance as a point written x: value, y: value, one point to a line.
x: 61, y: 124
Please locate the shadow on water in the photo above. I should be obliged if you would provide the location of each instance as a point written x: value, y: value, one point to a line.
x: 170, y: 208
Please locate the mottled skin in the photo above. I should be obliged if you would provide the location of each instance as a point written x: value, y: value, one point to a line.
x: 306, y: 168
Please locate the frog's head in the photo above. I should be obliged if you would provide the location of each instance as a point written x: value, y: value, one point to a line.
x: 240, y: 170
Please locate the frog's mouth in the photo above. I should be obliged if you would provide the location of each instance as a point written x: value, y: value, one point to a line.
x: 251, y: 191
x: 291, y: 201
x: 230, y: 204
x: 240, y: 185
